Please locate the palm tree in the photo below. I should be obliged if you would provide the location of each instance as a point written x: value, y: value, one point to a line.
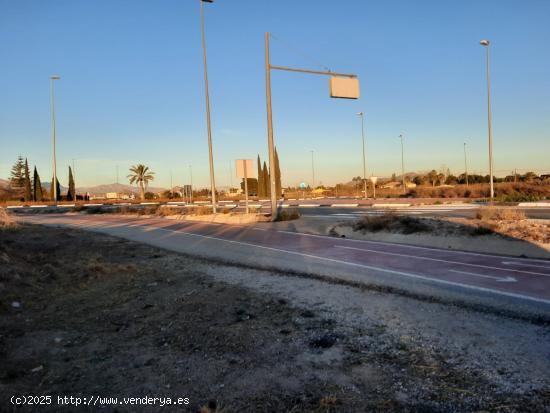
x: 141, y: 175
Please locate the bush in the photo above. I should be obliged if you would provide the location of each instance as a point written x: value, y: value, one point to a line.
x: 499, y: 214
x: 391, y: 223
x: 288, y: 215
x: 148, y: 210
x: 201, y: 210
x: 166, y: 211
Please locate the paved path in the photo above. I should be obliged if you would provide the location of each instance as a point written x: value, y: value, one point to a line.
x: 488, y: 277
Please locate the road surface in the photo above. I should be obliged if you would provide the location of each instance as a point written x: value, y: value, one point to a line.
x: 510, y: 283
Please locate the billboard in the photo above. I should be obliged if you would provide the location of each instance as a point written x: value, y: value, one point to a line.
x: 344, y: 87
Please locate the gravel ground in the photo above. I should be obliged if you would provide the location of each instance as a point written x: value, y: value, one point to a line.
x: 88, y: 314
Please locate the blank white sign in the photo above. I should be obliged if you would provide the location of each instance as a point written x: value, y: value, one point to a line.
x: 344, y: 87
x: 240, y: 164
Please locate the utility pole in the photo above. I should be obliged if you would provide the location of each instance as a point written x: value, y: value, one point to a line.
x: 485, y: 43
x: 52, y: 106
x: 364, y: 156
x: 402, y: 163
x: 465, y: 164
x: 209, y: 126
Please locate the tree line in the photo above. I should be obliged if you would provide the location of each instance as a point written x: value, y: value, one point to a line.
x: 261, y: 186
x: 28, y: 189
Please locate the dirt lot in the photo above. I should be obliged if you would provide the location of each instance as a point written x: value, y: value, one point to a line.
x: 85, y: 314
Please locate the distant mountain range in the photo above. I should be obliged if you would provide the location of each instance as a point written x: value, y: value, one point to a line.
x: 118, y: 188
x: 4, y: 183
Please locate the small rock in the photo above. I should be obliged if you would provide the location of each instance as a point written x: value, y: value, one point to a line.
x: 37, y: 369
x: 58, y: 340
x: 16, y: 304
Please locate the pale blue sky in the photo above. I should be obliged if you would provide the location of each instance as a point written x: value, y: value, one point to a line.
x: 132, y: 88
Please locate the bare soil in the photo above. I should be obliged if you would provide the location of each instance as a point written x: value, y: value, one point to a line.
x: 88, y: 314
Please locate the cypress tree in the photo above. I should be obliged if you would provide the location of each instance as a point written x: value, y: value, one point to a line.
x: 37, y: 194
x: 27, y: 182
x: 58, y: 190
x: 266, y: 182
x: 260, y: 179
x: 278, y: 185
x: 71, y: 191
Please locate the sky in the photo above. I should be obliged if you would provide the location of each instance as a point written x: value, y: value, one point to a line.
x: 131, y: 88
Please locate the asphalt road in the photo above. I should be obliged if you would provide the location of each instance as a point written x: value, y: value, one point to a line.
x: 514, y: 284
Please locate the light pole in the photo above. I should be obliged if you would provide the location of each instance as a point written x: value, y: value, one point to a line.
x: 52, y: 105
x: 352, y: 93
x: 74, y: 181
x: 364, y: 156
x: 312, y: 173
x: 209, y: 126
x: 465, y: 164
x: 191, y: 178
x: 402, y: 163
x: 485, y: 43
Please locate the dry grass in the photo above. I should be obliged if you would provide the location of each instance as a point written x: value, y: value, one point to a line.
x: 211, y: 407
x: 500, y: 214
x: 166, y: 211
x: 391, y: 223
x: 6, y: 220
x: 201, y: 210
x: 505, y: 191
x: 327, y: 402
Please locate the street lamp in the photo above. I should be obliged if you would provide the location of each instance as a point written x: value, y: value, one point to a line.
x: 211, y: 158
x: 485, y: 43
x: 312, y: 173
x: 402, y: 163
x: 465, y: 164
x: 364, y: 157
x: 52, y: 107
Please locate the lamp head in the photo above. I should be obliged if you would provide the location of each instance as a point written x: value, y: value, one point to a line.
x: 55, y: 77
x: 359, y: 113
x: 484, y: 42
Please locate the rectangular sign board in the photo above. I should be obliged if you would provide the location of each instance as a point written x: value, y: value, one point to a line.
x: 240, y: 164
x: 344, y: 87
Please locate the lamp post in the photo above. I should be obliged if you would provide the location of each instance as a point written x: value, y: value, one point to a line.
x: 402, y: 163
x: 74, y: 180
x: 312, y: 173
x: 52, y: 106
x: 465, y: 164
x: 209, y: 126
x: 485, y: 43
x: 191, y: 178
x: 364, y: 156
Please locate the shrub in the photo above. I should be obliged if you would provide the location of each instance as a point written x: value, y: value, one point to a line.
x: 499, y: 214
x: 200, y: 210
x: 391, y: 223
x: 166, y: 211
x: 288, y: 215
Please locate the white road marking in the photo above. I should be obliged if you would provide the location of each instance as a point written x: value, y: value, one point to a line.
x: 526, y: 264
x: 402, y: 273
x: 395, y: 244
x: 499, y: 279
x: 418, y: 257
